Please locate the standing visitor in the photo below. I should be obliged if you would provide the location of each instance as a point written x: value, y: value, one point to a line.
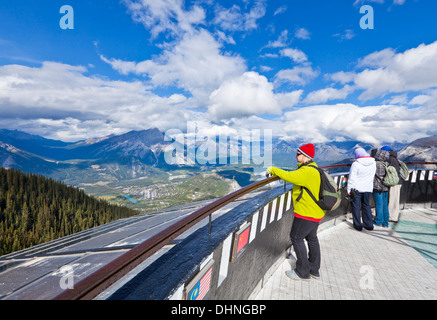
x: 395, y: 191
x: 380, y: 190
x: 360, y: 187
x: 307, y: 214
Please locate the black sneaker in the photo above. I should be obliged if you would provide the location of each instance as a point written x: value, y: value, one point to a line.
x: 315, y: 276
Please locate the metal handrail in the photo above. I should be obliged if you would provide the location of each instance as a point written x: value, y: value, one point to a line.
x: 92, y: 285
x: 97, y: 282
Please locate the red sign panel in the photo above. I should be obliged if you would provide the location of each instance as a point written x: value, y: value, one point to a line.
x: 243, y: 239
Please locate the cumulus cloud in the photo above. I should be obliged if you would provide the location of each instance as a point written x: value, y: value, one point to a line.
x: 372, y: 124
x: 420, y: 99
x: 165, y: 15
x: 377, y: 59
x: 377, y: 75
x: 280, y: 10
x: 324, y: 95
x: 345, y: 35
x: 61, y: 101
x: 281, y: 41
x: 302, y: 33
x: 63, y: 87
x: 195, y: 64
x: 296, y: 55
x: 235, y: 19
x: 59, y: 98
x: 299, y: 75
x: 246, y: 95
x: 67, y: 102
x: 195, y: 61
x: 341, y: 77
x: 389, y: 72
x: 289, y: 99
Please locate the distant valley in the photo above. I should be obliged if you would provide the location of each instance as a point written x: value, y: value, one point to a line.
x: 128, y: 169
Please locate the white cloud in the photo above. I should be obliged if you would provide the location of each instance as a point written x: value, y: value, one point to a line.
x: 228, y: 39
x: 296, y: 55
x: 63, y: 102
x: 377, y: 59
x: 165, y: 15
x: 270, y: 55
x: 388, y: 72
x: 246, y: 95
x: 342, y: 77
x: 379, y: 74
x: 195, y: 64
x: 420, y: 99
x: 67, y: 102
x: 266, y: 68
x: 289, y: 99
x: 60, y: 86
x: 346, y: 35
x: 324, y: 95
x: 282, y: 41
x: 302, y: 34
x: 372, y: 124
x: 280, y: 10
x: 234, y: 19
x: 298, y: 75
x: 398, y: 99
x: 415, y: 70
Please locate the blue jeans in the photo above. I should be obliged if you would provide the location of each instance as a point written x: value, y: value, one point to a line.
x: 361, y: 204
x: 381, y: 208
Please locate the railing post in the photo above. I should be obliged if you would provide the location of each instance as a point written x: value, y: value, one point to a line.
x: 210, y: 222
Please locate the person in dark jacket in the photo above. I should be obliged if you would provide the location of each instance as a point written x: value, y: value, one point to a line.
x: 380, y: 191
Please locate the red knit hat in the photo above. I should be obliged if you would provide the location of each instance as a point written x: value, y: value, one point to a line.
x: 307, y: 150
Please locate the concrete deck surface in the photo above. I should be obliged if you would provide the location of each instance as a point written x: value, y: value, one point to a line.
x: 399, y: 262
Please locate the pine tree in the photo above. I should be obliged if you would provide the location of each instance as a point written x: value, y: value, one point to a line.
x: 35, y: 209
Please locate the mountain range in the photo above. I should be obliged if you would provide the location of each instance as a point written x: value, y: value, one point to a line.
x: 139, y: 153
x: 424, y: 149
x: 31, y: 153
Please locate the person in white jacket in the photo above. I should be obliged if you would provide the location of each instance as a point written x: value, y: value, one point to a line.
x: 361, y: 176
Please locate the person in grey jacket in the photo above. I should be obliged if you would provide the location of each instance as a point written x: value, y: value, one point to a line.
x: 380, y: 191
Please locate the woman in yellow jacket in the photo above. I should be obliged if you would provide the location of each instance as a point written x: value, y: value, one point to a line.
x: 307, y: 214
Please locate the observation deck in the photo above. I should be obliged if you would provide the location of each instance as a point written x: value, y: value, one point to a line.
x: 237, y: 248
x: 395, y: 263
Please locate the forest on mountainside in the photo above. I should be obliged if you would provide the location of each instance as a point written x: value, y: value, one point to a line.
x: 35, y: 209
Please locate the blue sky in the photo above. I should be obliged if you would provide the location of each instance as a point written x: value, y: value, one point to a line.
x: 304, y: 69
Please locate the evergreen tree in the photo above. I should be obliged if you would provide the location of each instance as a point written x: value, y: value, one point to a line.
x: 35, y: 209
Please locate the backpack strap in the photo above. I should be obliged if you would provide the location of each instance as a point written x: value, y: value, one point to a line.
x: 302, y: 187
x: 383, y: 163
x: 309, y: 193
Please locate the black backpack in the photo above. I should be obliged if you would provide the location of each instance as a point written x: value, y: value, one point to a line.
x: 329, y: 195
